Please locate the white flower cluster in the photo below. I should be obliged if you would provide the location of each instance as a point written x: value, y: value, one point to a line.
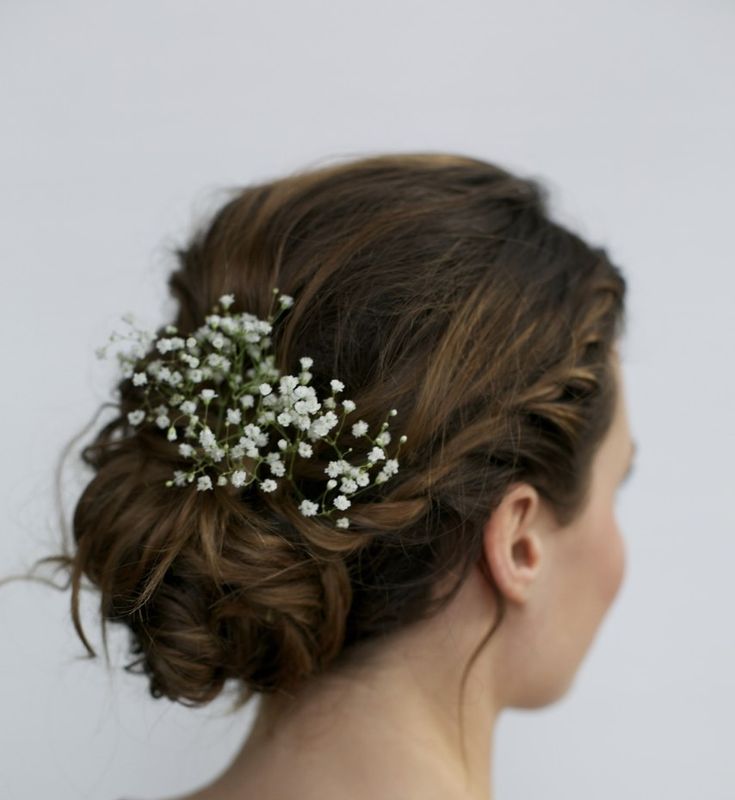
x: 229, y: 352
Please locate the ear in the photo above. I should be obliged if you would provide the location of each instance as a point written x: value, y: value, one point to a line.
x: 512, y: 545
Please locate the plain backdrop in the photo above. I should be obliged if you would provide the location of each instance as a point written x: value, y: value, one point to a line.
x: 121, y: 123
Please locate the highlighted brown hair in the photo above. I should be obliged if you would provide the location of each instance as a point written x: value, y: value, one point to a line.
x: 436, y: 284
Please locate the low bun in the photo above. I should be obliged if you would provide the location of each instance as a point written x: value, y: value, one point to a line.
x: 211, y: 587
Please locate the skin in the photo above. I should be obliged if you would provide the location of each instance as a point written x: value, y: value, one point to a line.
x: 384, y: 723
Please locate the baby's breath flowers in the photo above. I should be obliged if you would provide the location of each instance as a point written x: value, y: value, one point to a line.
x: 254, y: 403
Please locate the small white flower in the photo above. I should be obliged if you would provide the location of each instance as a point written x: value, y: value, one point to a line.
x: 360, y: 428
x: 334, y: 468
x: 139, y: 378
x: 391, y: 466
x: 306, y: 362
x: 303, y: 422
x: 343, y: 522
x: 218, y: 340
x: 277, y: 468
x: 179, y: 477
x: 287, y: 384
x: 260, y: 437
x: 234, y: 416
x: 382, y: 438
x: 337, y: 386
x: 230, y: 325
x: 222, y: 481
x: 171, y: 435
x: 341, y: 502
x: 204, y: 483
x: 163, y: 421
x: 136, y: 417
x: 186, y: 450
x: 265, y: 388
x: 238, y: 477
x: 247, y: 401
x: 305, y: 450
x: 268, y: 485
x: 348, y: 405
x: 226, y: 300
x: 308, y: 509
x: 348, y: 486
x: 310, y: 405
x: 207, y: 439
x: 237, y: 452
x: 282, y: 444
x: 331, y: 483
x: 188, y: 407
x: 286, y: 301
x: 323, y: 424
x: 207, y: 394
x: 375, y: 455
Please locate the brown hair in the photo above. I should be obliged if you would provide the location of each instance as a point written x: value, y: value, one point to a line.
x: 436, y: 284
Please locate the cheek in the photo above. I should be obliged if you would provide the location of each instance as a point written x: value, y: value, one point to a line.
x: 610, y: 559
x: 594, y: 567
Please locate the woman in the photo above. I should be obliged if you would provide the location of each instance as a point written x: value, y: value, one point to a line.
x: 381, y: 649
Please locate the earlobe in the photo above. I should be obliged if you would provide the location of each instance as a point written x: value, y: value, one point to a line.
x: 511, y: 546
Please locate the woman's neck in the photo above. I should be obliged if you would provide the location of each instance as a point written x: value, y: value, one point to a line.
x: 380, y: 723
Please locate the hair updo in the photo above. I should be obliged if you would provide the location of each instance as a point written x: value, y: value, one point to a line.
x: 434, y: 284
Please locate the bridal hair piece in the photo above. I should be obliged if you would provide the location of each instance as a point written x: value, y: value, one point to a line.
x: 217, y: 353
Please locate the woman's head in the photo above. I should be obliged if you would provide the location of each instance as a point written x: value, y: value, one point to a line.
x: 433, y: 284
x: 559, y: 581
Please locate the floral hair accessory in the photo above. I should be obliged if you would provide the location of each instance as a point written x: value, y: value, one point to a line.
x: 251, y: 408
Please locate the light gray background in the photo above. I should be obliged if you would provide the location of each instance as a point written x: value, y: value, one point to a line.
x: 120, y: 121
